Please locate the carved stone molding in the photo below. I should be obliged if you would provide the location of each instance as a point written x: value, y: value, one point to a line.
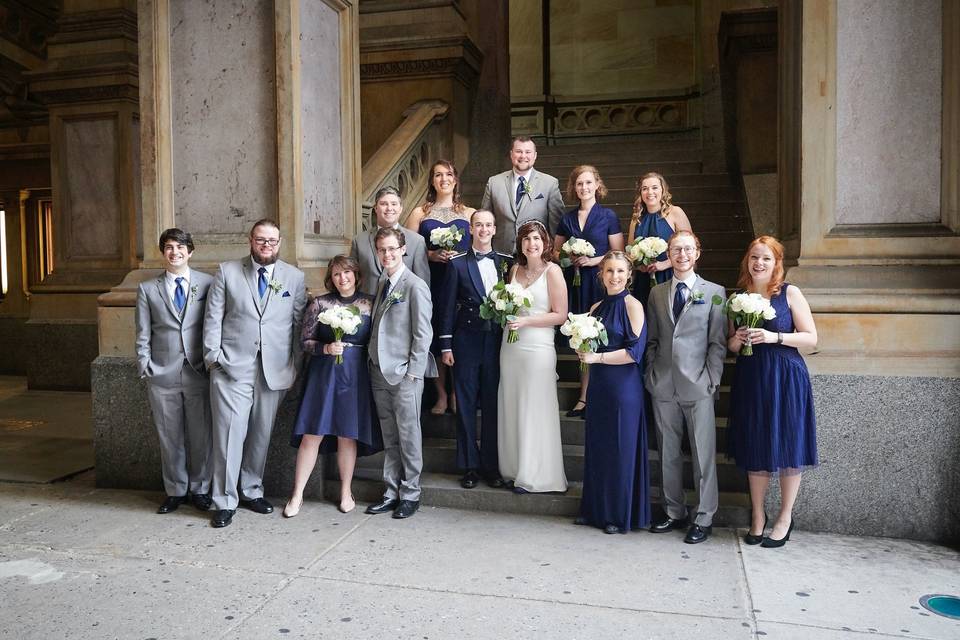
x: 28, y: 23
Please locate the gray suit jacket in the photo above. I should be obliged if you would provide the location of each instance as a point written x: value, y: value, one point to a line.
x: 544, y: 204
x: 685, y: 360
x: 238, y: 325
x: 164, y: 338
x: 402, y: 331
x: 365, y: 252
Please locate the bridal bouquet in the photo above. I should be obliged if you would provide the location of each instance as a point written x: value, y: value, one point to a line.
x: 645, y: 251
x: 503, y: 304
x: 746, y: 310
x: 586, y: 333
x: 343, y: 321
x: 571, y: 250
x: 447, y: 238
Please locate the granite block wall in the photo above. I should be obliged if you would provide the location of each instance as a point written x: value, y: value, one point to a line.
x: 60, y: 354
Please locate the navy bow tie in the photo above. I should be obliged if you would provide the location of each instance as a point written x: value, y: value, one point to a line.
x: 481, y: 256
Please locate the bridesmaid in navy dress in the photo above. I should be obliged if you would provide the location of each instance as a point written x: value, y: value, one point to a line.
x: 772, y: 422
x: 600, y: 227
x: 616, y: 477
x: 654, y: 214
x: 336, y: 413
x: 443, y: 208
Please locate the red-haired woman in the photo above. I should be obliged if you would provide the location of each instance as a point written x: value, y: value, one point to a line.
x: 772, y: 423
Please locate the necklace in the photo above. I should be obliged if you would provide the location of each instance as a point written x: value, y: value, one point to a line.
x: 536, y: 275
x: 443, y: 214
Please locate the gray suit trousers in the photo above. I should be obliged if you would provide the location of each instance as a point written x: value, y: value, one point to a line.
x: 181, y: 413
x: 243, y: 416
x: 398, y: 407
x: 701, y: 424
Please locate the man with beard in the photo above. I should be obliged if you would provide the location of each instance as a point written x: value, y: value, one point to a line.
x: 251, y: 346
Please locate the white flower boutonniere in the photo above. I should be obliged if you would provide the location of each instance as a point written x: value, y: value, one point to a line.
x: 276, y: 285
x: 527, y: 189
x: 395, y: 298
x: 697, y: 297
x: 193, y: 293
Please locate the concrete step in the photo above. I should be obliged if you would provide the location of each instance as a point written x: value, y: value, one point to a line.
x: 613, y: 154
x: 560, y: 170
x: 444, y: 490
x: 680, y: 195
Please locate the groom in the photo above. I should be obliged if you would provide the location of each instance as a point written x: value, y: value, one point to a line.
x: 399, y: 360
x: 686, y: 342
x: 251, y: 345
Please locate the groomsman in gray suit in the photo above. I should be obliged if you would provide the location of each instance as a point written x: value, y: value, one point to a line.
x: 399, y: 360
x: 686, y: 342
x: 521, y: 194
x: 170, y: 358
x: 387, y: 208
x: 251, y: 345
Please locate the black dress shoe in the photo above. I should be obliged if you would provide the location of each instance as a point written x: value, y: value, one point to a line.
x: 495, y: 481
x: 470, y: 479
x: 697, y: 533
x: 388, y: 504
x: 222, y: 518
x: 519, y: 490
x: 770, y: 543
x: 577, y: 413
x: 201, y: 501
x: 612, y: 528
x: 406, y: 508
x: 258, y: 505
x: 752, y: 539
x: 580, y: 520
x: 668, y: 524
x: 171, y: 504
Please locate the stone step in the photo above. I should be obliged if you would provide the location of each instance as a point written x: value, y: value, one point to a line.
x: 613, y: 154
x: 568, y: 392
x: 680, y: 195
x: 560, y: 170
x: 568, y: 365
x: 616, y: 179
x: 645, y: 142
x: 444, y: 490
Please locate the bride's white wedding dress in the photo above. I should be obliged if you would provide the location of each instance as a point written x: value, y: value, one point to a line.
x: 528, y: 434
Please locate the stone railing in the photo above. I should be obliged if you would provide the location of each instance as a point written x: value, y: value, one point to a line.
x: 404, y: 159
x: 568, y: 117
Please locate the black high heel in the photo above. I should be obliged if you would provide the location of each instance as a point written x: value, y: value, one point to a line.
x: 770, y: 543
x: 752, y: 539
x: 577, y: 413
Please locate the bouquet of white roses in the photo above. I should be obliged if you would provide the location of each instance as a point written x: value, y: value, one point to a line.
x: 343, y: 321
x: 503, y: 304
x: 447, y: 238
x: 645, y: 251
x: 586, y: 333
x: 746, y: 310
x: 571, y: 250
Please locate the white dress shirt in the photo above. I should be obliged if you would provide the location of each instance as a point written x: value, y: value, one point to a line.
x: 690, y: 280
x: 395, y: 278
x: 488, y: 273
x: 256, y: 270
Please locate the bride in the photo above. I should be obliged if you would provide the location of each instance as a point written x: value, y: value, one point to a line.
x: 528, y: 437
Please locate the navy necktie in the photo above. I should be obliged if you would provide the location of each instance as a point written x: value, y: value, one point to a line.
x: 520, y: 190
x: 262, y: 281
x: 386, y: 291
x: 678, y: 301
x: 481, y: 256
x: 179, y: 297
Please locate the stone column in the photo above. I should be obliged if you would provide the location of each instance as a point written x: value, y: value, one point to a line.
x: 879, y: 262
x: 249, y: 110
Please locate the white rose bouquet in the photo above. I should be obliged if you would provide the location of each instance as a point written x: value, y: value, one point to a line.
x: 447, y: 238
x: 571, y: 250
x: 343, y: 321
x: 586, y: 333
x: 645, y: 251
x: 746, y: 310
x: 504, y: 303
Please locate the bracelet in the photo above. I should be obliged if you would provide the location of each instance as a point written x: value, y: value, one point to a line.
x: 601, y: 358
x: 779, y: 337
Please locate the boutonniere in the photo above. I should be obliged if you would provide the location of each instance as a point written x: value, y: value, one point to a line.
x: 527, y: 189
x: 697, y: 297
x: 276, y: 285
x: 503, y: 269
x: 193, y: 293
x: 394, y: 298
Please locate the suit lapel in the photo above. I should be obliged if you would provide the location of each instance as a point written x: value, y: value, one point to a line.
x: 278, y: 270
x: 511, y: 194
x: 250, y: 277
x: 473, y: 268
x: 167, y: 302
x: 373, y: 252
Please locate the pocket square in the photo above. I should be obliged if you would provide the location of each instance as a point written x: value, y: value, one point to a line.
x: 539, y: 197
x: 286, y: 294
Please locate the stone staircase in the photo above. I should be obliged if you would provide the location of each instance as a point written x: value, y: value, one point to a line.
x: 718, y: 214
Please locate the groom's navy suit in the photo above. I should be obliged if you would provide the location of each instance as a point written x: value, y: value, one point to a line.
x: 475, y: 343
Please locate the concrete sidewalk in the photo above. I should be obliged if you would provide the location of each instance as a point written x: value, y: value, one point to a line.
x: 80, y: 562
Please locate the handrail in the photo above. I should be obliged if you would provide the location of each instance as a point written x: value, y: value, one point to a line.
x: 402, y: 161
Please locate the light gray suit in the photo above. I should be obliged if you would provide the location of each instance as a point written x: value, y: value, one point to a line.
x: 399, y: 360
x: 544, y: 204
x: 170, y: 358
x: 363, y: 249
x: 684, y: 363
x: 252, y: 348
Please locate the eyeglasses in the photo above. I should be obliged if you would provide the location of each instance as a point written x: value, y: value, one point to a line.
x: 687, y: 250
x: 267, y: 241
x: 388, y: 250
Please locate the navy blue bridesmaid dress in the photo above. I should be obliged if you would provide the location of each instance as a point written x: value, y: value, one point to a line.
x: 651, y: 224
x: 337, y: 399
x: 601, y: 223
x: 438, y: 270
x: 772, y: 422
x: 616, y: 476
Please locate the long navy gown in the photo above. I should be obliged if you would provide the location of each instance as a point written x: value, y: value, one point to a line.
x: 772, y: 422
x: 616, y: 477
x: 441, y: 217
x: 337, y: 399
x: 651, y: 224
x: 601, y: 223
